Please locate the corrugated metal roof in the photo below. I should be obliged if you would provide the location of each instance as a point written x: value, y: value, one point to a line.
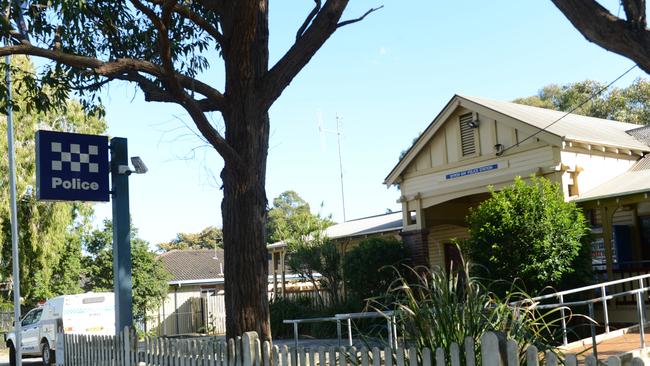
x: 642, y: 134
x: 642, y: 164
x: 572, y: 127
x: 364, y: 226
x: 630, y: 182
x: 367, y: 225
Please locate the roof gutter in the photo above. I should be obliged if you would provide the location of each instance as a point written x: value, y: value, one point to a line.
x: 220, y: 280
x: 180, y: 283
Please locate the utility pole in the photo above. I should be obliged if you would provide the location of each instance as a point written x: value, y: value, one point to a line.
x: 22, y: 28
x: 14, y: 215
x: 338, y: 140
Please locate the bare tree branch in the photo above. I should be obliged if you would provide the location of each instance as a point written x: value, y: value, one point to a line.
x: 320, y: 29
x: 123, y: 69
x: 154, y: 93
x: 371, y: 10
x: 599, y: 26
x: 173, y: 83
x: 308, y: 20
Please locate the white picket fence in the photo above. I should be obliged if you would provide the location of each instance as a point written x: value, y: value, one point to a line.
x: 124, y: 349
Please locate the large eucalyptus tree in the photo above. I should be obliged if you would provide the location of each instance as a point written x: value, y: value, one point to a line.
x: 163, y: 46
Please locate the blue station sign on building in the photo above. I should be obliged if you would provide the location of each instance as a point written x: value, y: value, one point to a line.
x: 71, y: 167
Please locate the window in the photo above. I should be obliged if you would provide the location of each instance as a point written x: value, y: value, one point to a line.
x: 411, y: 218
x: 467, y: 134
x: 32, y: 317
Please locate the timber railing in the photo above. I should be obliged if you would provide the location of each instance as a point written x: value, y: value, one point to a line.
x: 125, y: 349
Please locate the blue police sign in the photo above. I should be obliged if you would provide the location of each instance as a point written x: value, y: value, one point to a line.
x: 71, y: 167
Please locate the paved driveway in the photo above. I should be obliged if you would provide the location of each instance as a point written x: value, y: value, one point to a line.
x: 4, y: 360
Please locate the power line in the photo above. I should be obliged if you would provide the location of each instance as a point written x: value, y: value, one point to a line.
x: 592, y: 96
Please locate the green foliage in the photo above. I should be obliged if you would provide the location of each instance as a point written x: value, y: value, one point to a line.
x: 107, y: 30
x: 149, y: 276
x: 48, y: 231
x: 630, y: 104
x: 528, y: 232
x: 309, y: 251
x: 290, y: 220
x: 366, y: 267
x: 435, y: 309
x: 209, y: 238
x: 323, y: 257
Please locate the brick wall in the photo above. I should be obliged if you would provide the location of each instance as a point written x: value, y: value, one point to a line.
x: 417, y: 246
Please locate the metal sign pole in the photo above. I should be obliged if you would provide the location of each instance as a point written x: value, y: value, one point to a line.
x: 14, y: 215
x: 122, y: 281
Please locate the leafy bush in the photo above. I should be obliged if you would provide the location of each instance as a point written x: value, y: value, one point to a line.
x: 435, y: 309
x: 367, y: 266
x: 528, y: 232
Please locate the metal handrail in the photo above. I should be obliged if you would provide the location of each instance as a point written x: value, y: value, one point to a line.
x: 295, y: 323
x: 592, y: 301
x: 590, y: 287
x: 390, y: 318
x: 389, y: 315
x: 603, y: 298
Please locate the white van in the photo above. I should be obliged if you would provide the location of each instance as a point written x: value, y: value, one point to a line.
x: 89, y: 313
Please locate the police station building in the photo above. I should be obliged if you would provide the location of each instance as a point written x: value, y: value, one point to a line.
x: 474, y: 143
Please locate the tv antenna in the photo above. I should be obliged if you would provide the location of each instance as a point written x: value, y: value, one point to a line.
x: 338, y: 133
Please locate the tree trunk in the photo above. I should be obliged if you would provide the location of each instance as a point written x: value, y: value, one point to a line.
x: 244, y: 226
x: 244, y: 196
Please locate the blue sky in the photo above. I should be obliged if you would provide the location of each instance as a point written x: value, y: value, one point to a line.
x: 386, y: 77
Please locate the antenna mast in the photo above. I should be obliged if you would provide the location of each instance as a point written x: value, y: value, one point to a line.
x: 338, y: 140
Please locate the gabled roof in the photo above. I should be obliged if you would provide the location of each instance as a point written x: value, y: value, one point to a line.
x: 572, y: 127
x: 193, y: 264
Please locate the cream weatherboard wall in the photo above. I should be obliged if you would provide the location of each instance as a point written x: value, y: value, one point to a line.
x: 594, y: 168
x: 439, y: 236
x: 436, y: 175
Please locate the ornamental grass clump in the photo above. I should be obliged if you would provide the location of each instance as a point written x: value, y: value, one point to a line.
x: 435, y: 309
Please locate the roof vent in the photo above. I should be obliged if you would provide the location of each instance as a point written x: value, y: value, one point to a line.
x: 468, y: 134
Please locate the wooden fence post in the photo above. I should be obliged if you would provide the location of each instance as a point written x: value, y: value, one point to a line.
x: 490, y: 353
x: 636, y: 361
x: 248, y: 348
x: 470, y: 355
x: 613, y: 361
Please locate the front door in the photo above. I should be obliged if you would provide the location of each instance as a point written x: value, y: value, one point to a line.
x: 453, y: 259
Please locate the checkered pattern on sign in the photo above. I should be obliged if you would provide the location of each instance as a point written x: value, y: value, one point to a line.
x: 74, y: 158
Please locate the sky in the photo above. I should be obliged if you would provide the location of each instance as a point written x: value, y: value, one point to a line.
x: 386, y: 78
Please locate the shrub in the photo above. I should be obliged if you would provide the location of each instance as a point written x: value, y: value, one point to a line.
x: 435, y: 309
x: 318, y: 256
x: 528, y: 232
x: 367, y: 269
